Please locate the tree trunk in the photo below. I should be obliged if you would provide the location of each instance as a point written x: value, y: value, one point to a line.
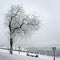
x: 11, y: 45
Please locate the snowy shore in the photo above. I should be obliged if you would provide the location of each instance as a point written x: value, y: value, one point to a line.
x: 4, y: 55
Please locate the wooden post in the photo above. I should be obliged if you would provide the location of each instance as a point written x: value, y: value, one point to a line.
x: 19, y: 49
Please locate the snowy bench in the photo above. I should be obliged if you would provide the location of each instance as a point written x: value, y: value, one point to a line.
x: 32, y: 55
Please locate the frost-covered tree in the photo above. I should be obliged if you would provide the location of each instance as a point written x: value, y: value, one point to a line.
x: 20, y: 23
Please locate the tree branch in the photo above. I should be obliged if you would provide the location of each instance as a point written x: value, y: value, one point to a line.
x: 17, y: 28
x: 12, y: 19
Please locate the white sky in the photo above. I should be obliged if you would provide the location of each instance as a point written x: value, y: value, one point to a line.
x: 49, y: 12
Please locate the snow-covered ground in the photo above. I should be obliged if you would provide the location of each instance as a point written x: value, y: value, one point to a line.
x: 4, y: 55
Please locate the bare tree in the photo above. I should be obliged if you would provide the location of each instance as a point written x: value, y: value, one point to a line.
x: 20, y: 23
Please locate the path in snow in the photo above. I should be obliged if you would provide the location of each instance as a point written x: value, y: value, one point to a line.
x: 4, y: 55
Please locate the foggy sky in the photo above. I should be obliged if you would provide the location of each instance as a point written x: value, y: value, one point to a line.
x: 47, y: 10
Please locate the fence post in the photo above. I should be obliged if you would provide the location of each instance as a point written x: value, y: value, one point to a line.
x: 19, y: 49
